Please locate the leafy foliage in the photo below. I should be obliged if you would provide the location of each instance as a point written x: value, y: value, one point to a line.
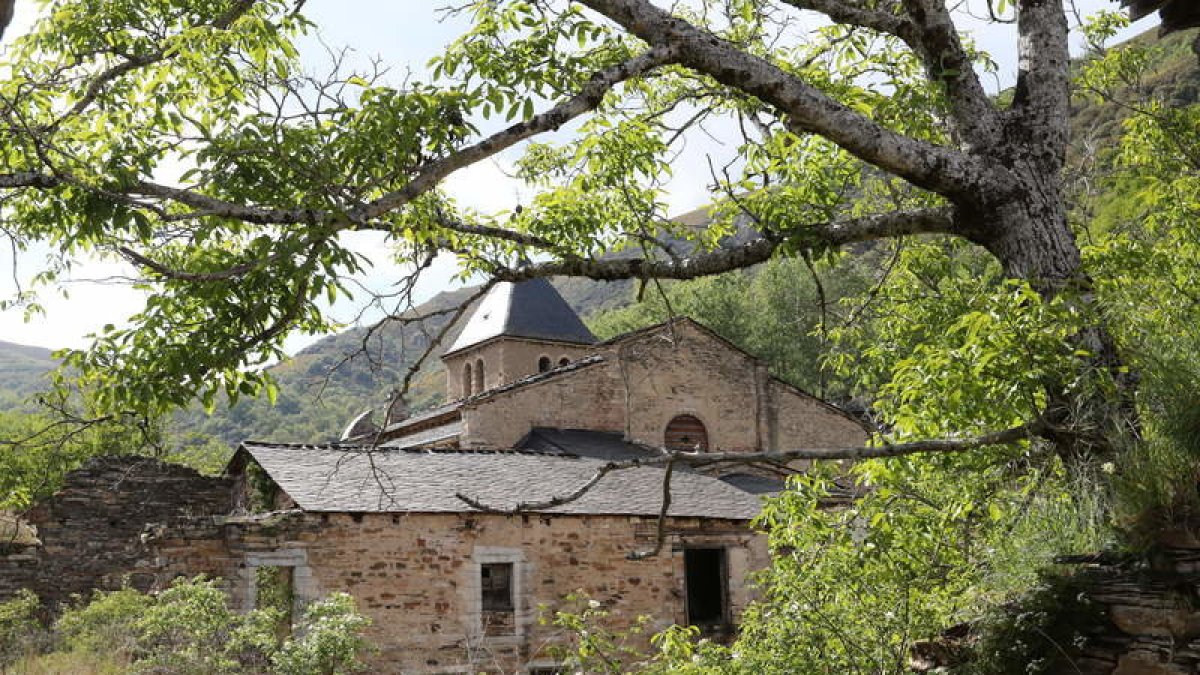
x: 190, y: 628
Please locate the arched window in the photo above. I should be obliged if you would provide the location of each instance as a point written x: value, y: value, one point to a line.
x: 467, y: 381
x: 478, y: 375
x: 685, y: 432
x: 543, y: 364
x: 563, y: 361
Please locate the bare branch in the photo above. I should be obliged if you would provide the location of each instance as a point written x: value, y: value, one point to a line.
x: 937, y: 220
x: 660, y: 536
x: 668, y: 458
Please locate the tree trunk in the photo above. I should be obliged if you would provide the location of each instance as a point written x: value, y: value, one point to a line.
x: 1033, y: 241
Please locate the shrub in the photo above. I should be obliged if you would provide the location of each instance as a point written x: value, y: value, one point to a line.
x: 328, y: 641
x: 104, y: 624
x: 187, y: 628
x: 20, y: 631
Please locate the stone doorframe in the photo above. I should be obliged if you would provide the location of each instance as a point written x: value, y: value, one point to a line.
x: 304, y: 587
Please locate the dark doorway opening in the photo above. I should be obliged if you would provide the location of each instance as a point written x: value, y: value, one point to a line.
x: 707, y: 591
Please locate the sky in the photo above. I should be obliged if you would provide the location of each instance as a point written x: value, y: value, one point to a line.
x: 404, y: 34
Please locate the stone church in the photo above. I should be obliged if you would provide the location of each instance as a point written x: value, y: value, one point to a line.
x: 453, y: 528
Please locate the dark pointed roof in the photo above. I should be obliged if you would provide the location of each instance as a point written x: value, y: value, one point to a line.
x: 528, y: 309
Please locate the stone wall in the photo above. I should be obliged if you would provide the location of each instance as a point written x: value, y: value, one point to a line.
x: 507, y: 360
x: 587, y: 398
x: 649, y: 378
x: 418, y: 575
x: 802, y: 421
x: 1151, y: 614
x: 91, y: 530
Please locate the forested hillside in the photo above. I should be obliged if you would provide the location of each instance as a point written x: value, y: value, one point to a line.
x: 22, y: 371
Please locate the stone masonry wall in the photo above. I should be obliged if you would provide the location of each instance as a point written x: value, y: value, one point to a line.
x: 800, y: 421
x: 683, y: 369
x: 647, y: 380
x: 507, y: 360
x: 1151, y: 614
x: 417, y: 576
x: 588, y: 398
x: 91, y: 529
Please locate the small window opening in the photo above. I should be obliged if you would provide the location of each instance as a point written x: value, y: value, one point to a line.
x: 274, y: 588
x: 563, y: 361
x: 685, y: 432
x: 467, y: 380
x: 495, y: 583
x: 543, y: 364
x: 705, y: 576
x: 478, y: 375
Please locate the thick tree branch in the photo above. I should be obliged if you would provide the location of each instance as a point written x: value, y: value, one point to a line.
x: 669, y: 458
x: 6, y: 14
x: 1006, y: 437
x: 937, y: 42
x: 1041, y: 103
x: 864, y: 17
x: 938, y: 220
x: 960, y: 177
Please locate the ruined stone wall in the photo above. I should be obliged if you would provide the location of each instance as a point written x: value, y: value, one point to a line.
x: 589, y: 398
x: 1150, y: 614
x: 417, y: 576
x: 91, y: 530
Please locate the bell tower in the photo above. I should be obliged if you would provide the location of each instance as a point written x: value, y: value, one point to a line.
x: 518, y: 330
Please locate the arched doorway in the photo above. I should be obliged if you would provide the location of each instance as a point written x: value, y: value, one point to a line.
x: 686, y: 432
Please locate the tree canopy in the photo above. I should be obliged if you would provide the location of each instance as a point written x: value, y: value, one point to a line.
x: 872, y: 123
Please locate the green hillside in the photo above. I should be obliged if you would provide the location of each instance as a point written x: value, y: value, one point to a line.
x: 22, y: 371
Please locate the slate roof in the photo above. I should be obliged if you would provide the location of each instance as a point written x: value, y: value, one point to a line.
x: 342, y: 478
x: 528, y: 309
x: 606, y: 445
x: 426, y: 436
x: 758, y: 485
x: 446, y: 409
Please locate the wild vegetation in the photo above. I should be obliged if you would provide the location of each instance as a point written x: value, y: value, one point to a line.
x: 188, y: 628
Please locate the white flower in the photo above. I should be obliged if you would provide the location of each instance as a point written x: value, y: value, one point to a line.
x: 1108, y: 467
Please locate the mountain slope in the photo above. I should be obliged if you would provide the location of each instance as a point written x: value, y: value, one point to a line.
x: 22, y: 372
